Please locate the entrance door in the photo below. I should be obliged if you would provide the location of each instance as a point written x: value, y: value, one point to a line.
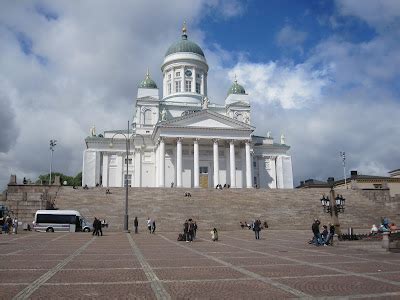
x: 203, y: 177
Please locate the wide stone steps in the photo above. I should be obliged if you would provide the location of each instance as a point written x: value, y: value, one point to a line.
x: 223, y: 209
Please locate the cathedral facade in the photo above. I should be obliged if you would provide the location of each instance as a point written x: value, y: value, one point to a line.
x: 182, y: 139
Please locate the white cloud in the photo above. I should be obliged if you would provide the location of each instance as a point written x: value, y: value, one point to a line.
x: 380, y: 14
x: 290, y: 37
x: 290, y: 86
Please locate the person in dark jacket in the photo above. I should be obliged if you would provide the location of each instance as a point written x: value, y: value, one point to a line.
x: 95, y: 231
x: 153, y: 226
x: 186, y: 230
x: 136, y: 224
x: 317, y: 235
x: 257, y: 228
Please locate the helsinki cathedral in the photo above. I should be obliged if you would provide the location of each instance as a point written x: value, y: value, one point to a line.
x: 182, y: 139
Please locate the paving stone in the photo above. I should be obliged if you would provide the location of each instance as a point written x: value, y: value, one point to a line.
x: 84, y: 276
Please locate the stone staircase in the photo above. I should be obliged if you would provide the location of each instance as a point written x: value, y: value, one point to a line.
x: 283, y: 209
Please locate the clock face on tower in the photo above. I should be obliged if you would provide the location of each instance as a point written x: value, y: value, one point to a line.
x: 188, y: 73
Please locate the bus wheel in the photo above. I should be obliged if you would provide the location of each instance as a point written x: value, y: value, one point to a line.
x: 86, y: 230
x: 49, y: 229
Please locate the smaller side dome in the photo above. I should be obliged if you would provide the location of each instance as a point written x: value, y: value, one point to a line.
x: 148, y: 83
x: 236, y: 88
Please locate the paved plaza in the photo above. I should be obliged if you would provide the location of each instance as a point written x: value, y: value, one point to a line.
x: 119, y: 265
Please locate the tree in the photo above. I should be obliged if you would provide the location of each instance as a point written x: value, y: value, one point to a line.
x: 71, y: 181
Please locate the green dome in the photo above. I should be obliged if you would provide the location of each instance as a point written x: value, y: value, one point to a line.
x: 236, y: 88
x: 148, y: 83
x: 184, y: 45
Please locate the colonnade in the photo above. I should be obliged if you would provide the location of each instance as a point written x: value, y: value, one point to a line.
x: 160, y: 159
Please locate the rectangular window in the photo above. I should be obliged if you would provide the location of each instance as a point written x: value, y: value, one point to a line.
x: 178, y: 74
x: 177, y: 86
x: 169, y: 76
x: 378, y: 186
x: 169, y: 88
x: 203, y: 170
x: 129, y: 162
x: 129, y: 180
x: 255, y: 180
x: 197, y: 88
x: 188, y: 86
x: 197, y: 75
x: 254, y: 164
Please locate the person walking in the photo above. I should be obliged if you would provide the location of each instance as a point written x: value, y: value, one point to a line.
x: 153, y: 226
x: 99, y: 230
x: 136, y: 224
x: 214, y: 234
x: 95, y: 226
x: 149, y: 225
x: 194, y: 229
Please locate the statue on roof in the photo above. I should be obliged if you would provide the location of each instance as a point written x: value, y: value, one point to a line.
x: 93, y: 131
x: 163, y: 114
x: 283, y: 139
x: 205, y: 103
x: 268, y: 134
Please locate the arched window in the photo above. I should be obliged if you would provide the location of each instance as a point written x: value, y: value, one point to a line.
x: 147, y: 117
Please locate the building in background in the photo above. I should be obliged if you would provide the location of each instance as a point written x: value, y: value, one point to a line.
x: 183, y: 139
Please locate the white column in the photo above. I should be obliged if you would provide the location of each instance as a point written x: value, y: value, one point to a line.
x: 194, y: 80
x: 202, y: 84
x: 173, y: 81
x: 183, y: 79
x: 179, y: 162
x: 105, y: 170
x: 157, y: 169
x: 232, y: 163
x: 227, y: 166
x: 138, y: 168
x: 205, y: 84
x: 249, y: 183
x: 196, y: 170
x: 216, y: 162
x: 162, y: 164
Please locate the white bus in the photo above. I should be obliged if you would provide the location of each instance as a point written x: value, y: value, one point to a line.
x: 60, y: 221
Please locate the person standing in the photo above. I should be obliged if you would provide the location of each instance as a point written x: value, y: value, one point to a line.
x: 94, y: 226
x: 136, y: 224
x: 190, y: 230
x: 186, y: 231
x: 317, y: 235
x: 194, y: 229
x: 149, y: 225
x: 153, y: 226
x: 99, y: 225
x: 257, y: 228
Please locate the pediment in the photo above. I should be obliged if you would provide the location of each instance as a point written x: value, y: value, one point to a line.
x: 206, y: 119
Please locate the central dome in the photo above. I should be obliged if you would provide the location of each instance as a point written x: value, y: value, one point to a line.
x: 184, y: 45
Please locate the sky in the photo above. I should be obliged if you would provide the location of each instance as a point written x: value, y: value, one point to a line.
x: 322, y: 72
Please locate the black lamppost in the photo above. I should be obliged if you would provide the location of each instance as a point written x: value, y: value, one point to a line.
x: 53, y: 144
x: 333, y: 205
x: 127, y: 144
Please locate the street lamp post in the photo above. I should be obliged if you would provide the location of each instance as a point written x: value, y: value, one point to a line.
x: 343, y: 156
x: 53, y: 144
x: 333, y: 205
x: 127, y: 144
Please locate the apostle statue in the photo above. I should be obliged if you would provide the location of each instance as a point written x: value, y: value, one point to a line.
x: 268, y: 134
x: 93, y: 131
x: 205, y: 103
x: 282, y: 139
x: 163, y: 114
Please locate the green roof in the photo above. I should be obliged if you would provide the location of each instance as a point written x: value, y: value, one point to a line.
x: 236, y: 89
x: 184, y: 45
x: 148, y: 83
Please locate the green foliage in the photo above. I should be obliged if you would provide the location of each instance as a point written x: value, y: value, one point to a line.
x: 71, y: 180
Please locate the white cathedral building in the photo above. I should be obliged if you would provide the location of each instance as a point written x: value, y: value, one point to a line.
x: 183, y: 139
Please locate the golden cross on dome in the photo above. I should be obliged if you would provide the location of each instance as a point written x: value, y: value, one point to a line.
x: 184, y: 28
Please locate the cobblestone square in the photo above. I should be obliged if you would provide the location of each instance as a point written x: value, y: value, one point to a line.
x: 155, y: 266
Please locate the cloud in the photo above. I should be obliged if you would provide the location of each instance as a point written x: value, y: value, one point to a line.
x: 290, y: 86
x: 380, y: 14
x: 226, y: 8
x: 288, y: 37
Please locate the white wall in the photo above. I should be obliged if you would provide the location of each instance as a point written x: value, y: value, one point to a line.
x: 91, y: 168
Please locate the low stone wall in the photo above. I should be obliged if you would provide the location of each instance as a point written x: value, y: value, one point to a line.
x: 23, y: 200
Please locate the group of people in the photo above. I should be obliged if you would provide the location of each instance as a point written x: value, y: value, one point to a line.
x: 8, y: 225
x: 323, y: 238
x: 97, y: 225
x: 151, y: 225
x: 189, y: 231
x: 384, y: 227
x: 219, y: 186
